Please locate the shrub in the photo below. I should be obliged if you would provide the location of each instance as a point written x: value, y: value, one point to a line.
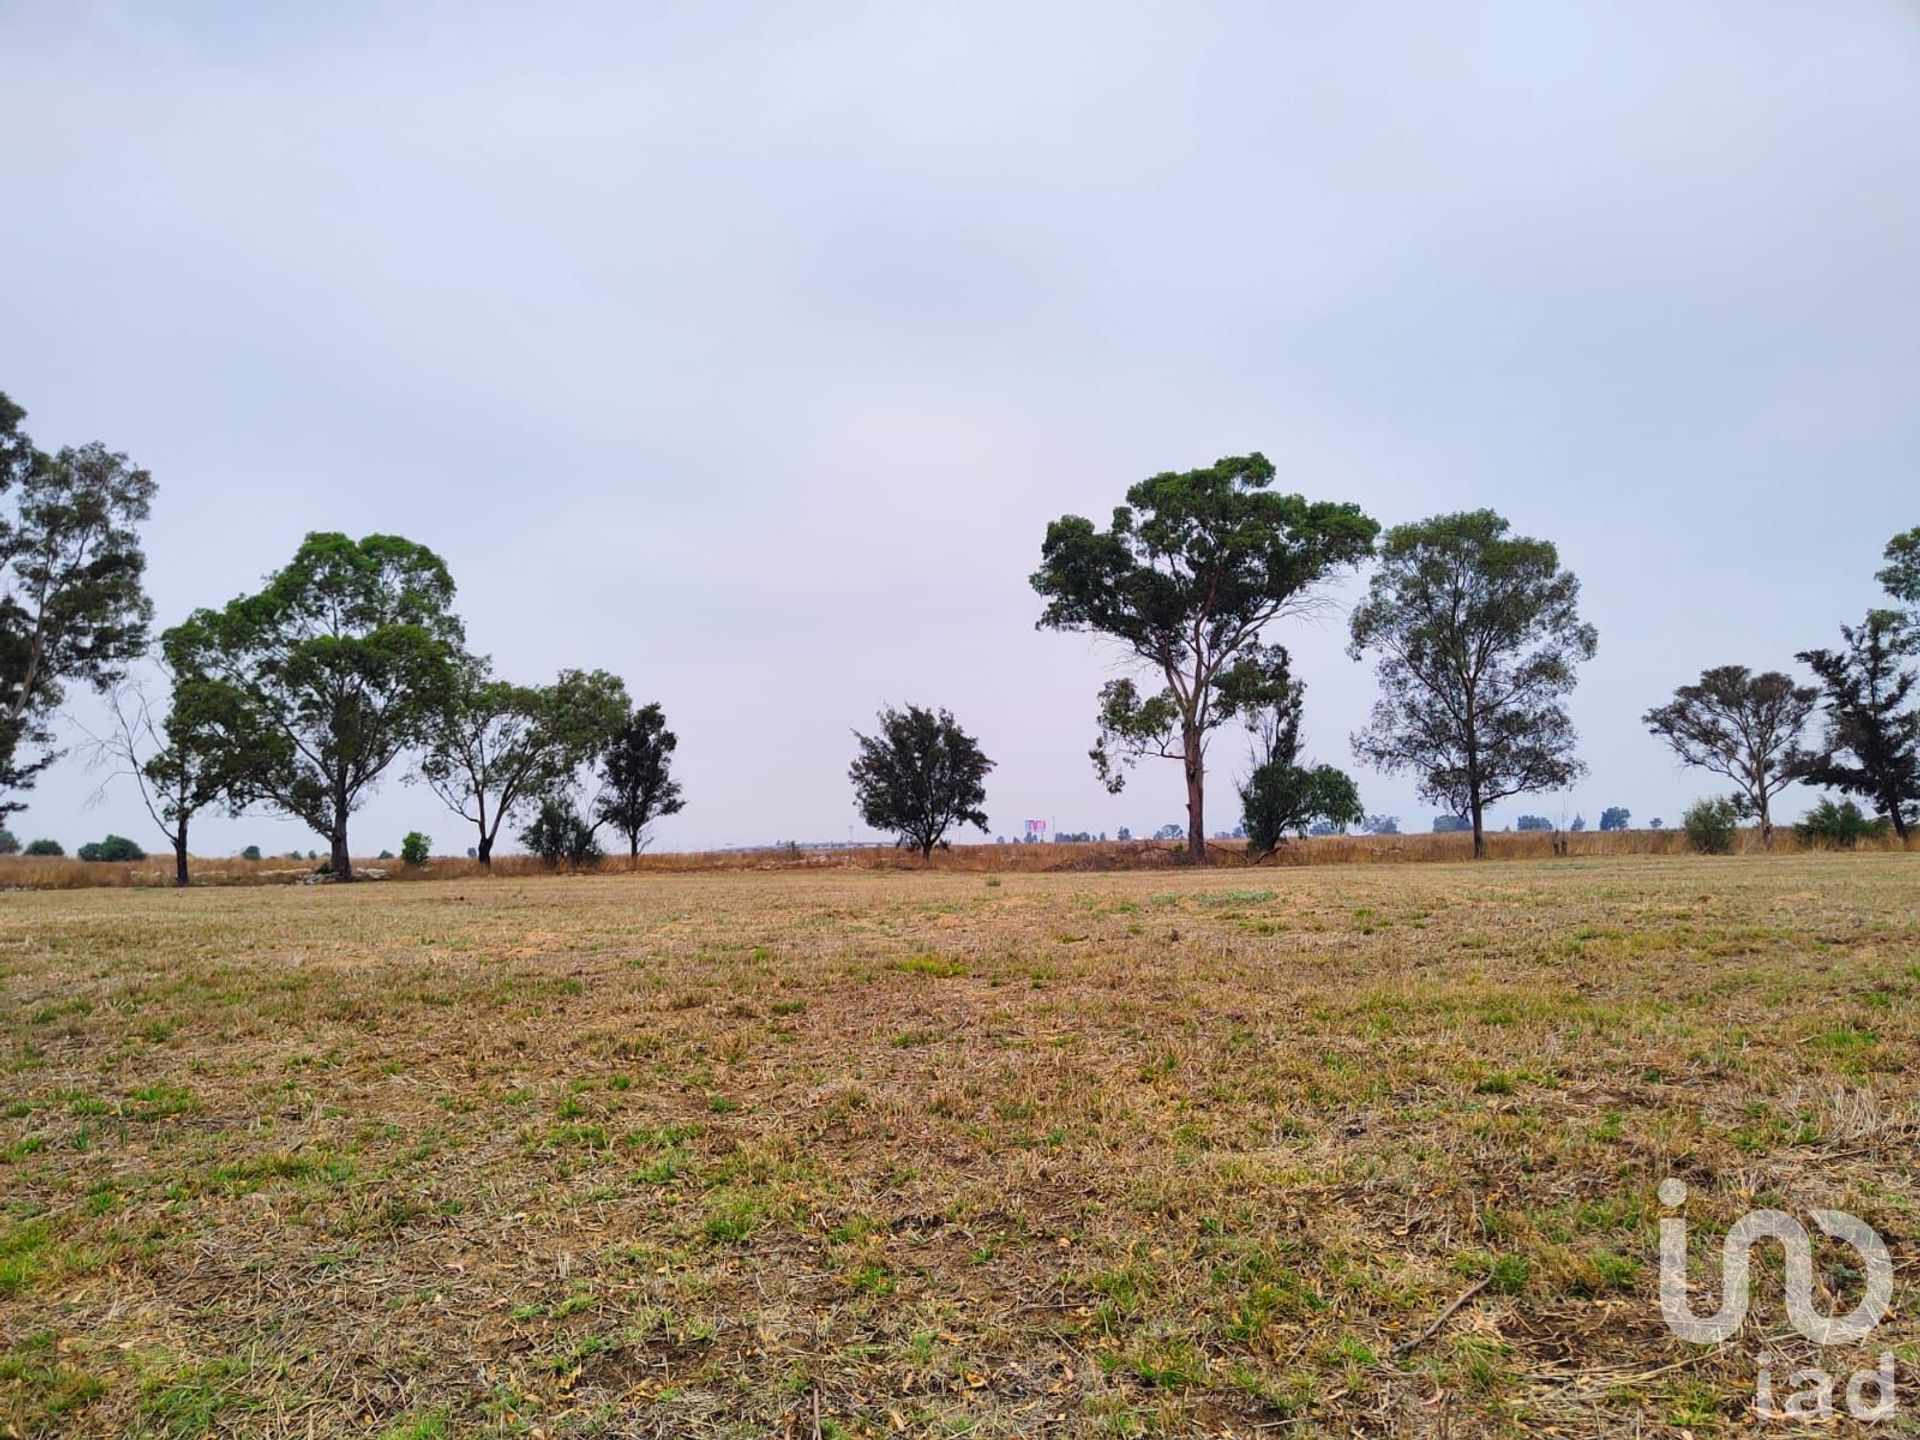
x: 1710, y: 825
x: 114, y: 847
x: 45, y: 848
x: 558, y: 835
x: 252, y: 852
x: 1843, y: 824
x: 1533, y: 822
x: 9, y: 843
x: 416, y: 848
x: 1281, y: 799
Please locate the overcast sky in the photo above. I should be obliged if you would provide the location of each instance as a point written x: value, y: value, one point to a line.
x: 747, y: 351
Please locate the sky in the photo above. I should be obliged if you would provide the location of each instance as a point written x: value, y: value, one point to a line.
x: 747, y: 351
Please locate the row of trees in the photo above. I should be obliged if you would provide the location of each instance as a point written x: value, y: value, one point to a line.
x: 299, y: 698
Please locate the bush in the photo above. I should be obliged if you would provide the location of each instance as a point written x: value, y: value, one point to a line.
x: 114, y: 847
x: 416, y: 849
x: 9, y: 844
x: 558, y: 835
x: 1843, y: 824
x: 252, y: 852
x: 1280, y: 800
x: 45, y: 849
x: 1533, y: 822
x: 1711, y: 825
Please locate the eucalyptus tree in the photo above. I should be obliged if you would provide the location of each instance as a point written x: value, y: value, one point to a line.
x: 1194, y: 567
x: 316, y: 685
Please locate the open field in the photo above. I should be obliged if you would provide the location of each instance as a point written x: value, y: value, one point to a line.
x: 34, y: 873
x: 863, y: 1152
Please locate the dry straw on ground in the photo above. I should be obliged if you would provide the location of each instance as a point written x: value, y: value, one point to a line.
x: 1321, y: 1151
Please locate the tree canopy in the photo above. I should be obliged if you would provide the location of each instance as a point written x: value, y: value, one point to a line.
x: 920, y: 776
x: 319, y: 682
x: 492, y: 747
x: 1479, y: 638
x: 1744, y: 726
x: 72, y: 602
x: 1194, y: 566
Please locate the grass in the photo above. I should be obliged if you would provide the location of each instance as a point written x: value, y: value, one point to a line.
x: 1081, y: 1154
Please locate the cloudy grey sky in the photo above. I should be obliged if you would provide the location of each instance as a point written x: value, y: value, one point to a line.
x: 747, y: 351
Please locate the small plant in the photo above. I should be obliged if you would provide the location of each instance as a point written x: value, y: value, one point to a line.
x: 45, y: 849
x: 416, y: 848
x: 1711, y: 824
x: 1843, y: 824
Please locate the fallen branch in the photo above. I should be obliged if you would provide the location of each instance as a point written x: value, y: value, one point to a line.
x: 1408, y: 1346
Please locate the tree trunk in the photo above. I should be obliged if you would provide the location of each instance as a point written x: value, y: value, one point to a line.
x: 633, y: 848
x: 180, y: 856
x: 1479, y: 827
x: 486, y: 851
x: 342, y: 861
x: 1766, y: 823
x: 1196, y: 796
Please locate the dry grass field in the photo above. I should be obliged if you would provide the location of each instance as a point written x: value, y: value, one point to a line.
x: 869, y: 1152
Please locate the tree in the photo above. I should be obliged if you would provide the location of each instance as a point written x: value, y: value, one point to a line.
x: 416, y: 848
x: 1283, y: 797
x: 493, y: 746
x: 317, y: 684
x: 920, y: 776
x: 252, y: 852
x: 72, y: 605
x: 45, y: 849
x: 635, y: 786
x: 1533, y: 822
x: 1479, y: 636
x: 113, y: 848
x: 1194, y: 567
x: 558, y: 833
x: 9, y: 842
x: 1451, y: 824
x: 1744, y: 726
x: 179, y: 767
x: 1381, y: 825
x: 1871, y: 741
x: 1615, y: 817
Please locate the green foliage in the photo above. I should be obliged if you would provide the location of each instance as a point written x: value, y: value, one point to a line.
x: 9, y: 842
x: 1381, y: 824
x: 919, y: 777
x: 416, y: 849
x: 252, y: 852
x: 317, y: 684
x: 1479, y: 636
x: 1843, y: 824
x: 493, y: 747
x: 1533, y: 822
x: 1281, y: 799
x: 72, y: 604
x: 1194, y: 566
x: 1744, y: 726
x: 44, y: 849
x: 560, y: 836
x: 1615, y: 817
x: 1451, y: 824
x: 1711, y: 825
x: 114, y: 847
x: 1902, y: 575
x: 1870, y: 745
x: 635, y: 786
